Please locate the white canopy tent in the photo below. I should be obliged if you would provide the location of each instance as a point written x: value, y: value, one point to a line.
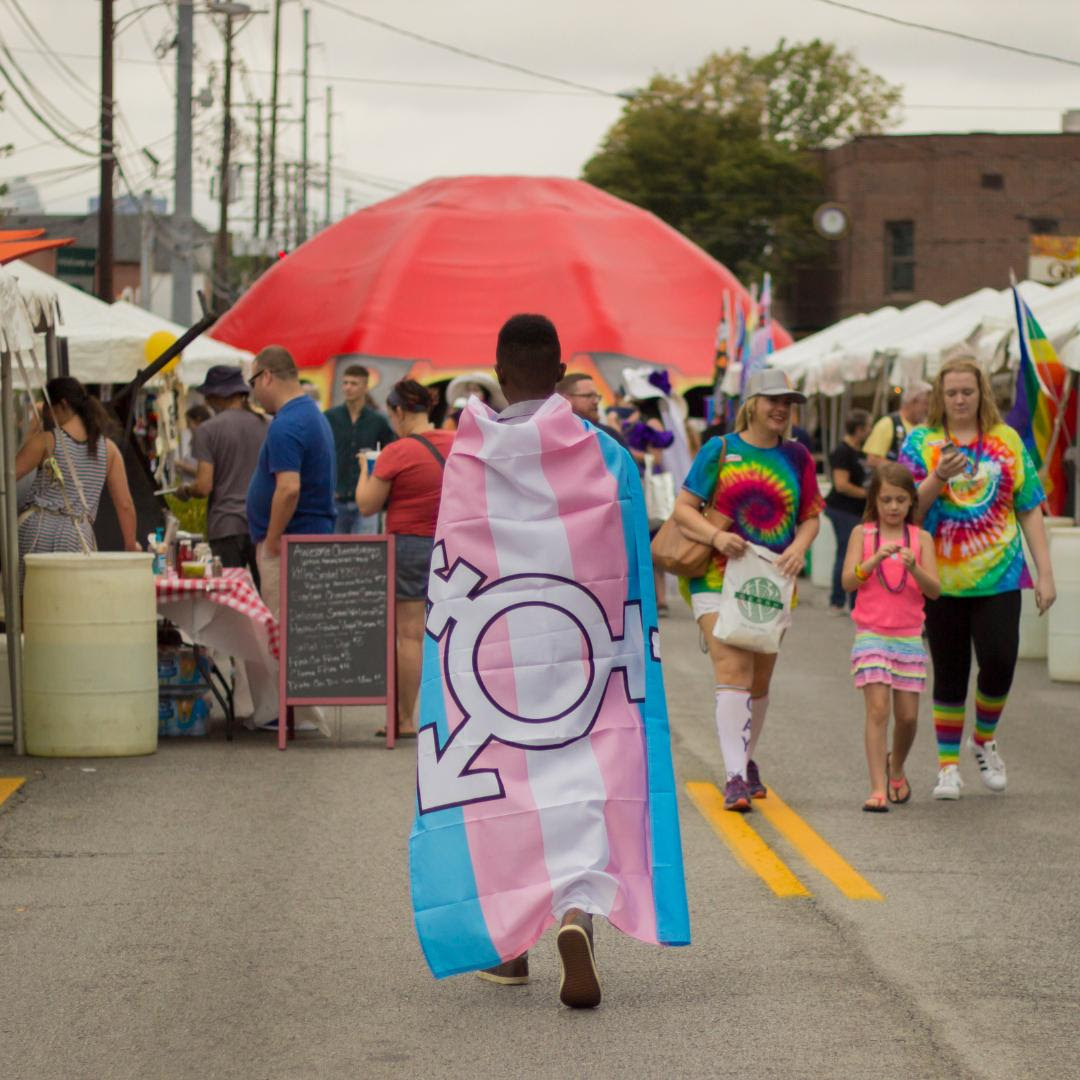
x: 106, y: 342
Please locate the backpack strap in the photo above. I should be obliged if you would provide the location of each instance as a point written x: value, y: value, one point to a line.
x: 435, y: 453
x: 899, y: 434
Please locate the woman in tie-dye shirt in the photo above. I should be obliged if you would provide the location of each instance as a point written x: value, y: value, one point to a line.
x: 756, y: 485
x: 978, y: 488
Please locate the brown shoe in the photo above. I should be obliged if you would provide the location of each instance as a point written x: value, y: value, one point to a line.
x: 580, y: 987
x: 509, y: 973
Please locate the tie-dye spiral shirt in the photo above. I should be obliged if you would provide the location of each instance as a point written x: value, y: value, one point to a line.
x: 973, y: 520
x: 767, y: 494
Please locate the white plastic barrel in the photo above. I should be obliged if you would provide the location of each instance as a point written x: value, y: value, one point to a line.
x: 1063, y: 631
x: 1033, y: 627
x: 90, y: 658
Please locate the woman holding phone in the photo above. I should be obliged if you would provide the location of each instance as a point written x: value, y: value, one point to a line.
x: 978, y: 489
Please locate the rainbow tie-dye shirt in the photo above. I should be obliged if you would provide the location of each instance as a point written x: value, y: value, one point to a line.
x: 767, y: 494
x: 973, y: 520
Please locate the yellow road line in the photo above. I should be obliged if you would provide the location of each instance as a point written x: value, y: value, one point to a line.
x: 9, y: 785
x: 814, y: 849
x: 745, y: 844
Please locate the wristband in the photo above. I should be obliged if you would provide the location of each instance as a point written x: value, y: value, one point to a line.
x: 860, y: 573
x: 940, y: 479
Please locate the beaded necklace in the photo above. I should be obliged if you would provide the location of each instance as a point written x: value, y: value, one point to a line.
x: 879, y: 572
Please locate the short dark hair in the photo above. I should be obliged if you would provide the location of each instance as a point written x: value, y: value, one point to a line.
x: 567, y: 383
x: 199, y: 413
x: 411, y: 396
x: 856, y: 419
x: 278, y: 361
x: 357, y: 371
x: 529, y: 353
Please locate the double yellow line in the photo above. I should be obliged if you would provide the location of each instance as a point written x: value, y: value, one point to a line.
x: 753, y: 853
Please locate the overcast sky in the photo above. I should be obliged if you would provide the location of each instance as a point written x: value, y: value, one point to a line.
x: 485, y: 119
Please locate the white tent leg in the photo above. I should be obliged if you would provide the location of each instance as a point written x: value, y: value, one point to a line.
x: 10, y: 514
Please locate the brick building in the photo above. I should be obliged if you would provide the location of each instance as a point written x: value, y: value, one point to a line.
x: 935, y: 217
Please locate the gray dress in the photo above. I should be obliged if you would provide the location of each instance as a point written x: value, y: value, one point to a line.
x: 50, y: 522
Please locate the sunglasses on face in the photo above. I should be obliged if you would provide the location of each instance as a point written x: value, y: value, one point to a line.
x: 254, y: 378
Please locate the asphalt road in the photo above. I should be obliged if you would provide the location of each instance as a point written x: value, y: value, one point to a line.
x: 221, y: 911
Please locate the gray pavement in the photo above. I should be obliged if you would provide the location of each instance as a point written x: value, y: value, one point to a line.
x: 228, y: 911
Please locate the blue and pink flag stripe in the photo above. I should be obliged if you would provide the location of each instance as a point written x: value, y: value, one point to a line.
x: 545, y: 779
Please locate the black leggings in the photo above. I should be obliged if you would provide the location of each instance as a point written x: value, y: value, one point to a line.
x: 992, y: 625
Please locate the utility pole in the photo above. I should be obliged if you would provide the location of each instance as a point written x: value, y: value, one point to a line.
x: 329, y: 117
x: 182, y: 230
x: 271, y: 171
x: 287, y: 204
x: 301, y: 229
x: 146, y: 252
x: 258, y: 168
x: 108, y: 160
x: 221, y: 250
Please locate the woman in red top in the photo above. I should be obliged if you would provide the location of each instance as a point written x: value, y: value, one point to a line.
x: 407, y: 481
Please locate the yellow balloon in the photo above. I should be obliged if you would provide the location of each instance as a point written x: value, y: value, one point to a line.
x: 156, y: 344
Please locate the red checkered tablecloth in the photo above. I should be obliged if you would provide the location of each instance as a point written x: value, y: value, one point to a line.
x: 234, y: 589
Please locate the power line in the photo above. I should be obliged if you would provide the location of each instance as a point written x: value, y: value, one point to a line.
x: 41, y: 119
x: 457, y: 50
x: 950, y: 33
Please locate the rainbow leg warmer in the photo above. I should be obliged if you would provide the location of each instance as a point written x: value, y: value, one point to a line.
x: 987, y: 714
x: 949, y: 727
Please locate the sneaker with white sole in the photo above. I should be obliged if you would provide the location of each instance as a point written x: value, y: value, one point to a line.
x: 991, y: 767
x: 948, y: 783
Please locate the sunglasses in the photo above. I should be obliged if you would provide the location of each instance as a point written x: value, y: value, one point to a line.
x: 254, y: 378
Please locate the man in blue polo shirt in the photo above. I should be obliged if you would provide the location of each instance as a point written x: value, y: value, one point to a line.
x: 292, y: 489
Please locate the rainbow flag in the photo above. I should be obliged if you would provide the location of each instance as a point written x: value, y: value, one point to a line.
x: 1041, y: 381
x: 544, y: 773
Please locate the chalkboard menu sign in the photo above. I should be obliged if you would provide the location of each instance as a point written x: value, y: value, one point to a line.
x: 337, y: 622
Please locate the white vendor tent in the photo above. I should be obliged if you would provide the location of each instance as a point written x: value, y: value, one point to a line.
x: 106, y: 342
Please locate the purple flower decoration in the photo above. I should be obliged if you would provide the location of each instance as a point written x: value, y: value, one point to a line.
x: 662, y: 381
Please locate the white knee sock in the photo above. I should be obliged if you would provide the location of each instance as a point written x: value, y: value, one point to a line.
x: 733, y: 727
x: 758, y: 706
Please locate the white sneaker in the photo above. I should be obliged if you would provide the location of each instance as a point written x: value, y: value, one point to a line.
x: 991, y: 767
x: 948, y: 783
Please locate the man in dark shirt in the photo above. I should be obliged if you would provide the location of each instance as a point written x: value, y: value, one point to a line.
x: 356, y: 426
x: 844, y: 505
x: 580, y: 390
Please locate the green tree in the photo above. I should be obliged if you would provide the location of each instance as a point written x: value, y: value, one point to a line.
x: 727, y: 155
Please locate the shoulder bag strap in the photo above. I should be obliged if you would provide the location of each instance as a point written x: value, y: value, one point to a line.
x: 432, y: 447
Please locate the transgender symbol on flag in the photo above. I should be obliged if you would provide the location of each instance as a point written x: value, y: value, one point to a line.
x: 466, y: 610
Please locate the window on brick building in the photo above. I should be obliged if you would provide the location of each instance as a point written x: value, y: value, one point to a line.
x: 1043, y: 226
x: 900, y: 256
x: 994, y: 181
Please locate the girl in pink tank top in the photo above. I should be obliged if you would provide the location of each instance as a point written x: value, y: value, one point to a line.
x: 890, y: 565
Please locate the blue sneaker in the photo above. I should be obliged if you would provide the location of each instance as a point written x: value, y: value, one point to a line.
x: 736, y: 795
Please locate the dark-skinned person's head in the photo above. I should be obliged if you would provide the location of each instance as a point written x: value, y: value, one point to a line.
x: 528, y: 358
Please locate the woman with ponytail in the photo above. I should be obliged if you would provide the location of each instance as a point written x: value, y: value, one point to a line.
x: 74, y: 460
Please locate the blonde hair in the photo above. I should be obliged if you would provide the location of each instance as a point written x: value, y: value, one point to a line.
x: 746, y: 414
x: 963, y: 365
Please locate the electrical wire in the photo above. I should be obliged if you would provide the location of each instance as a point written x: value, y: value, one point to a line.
x: 458, y: 51
x: 41, y: 119
x: 950, y: 33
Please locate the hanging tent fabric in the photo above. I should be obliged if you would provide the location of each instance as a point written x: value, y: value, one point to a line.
x: 430, y: 275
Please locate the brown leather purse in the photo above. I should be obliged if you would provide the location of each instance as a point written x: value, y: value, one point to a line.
x: 674, y: 552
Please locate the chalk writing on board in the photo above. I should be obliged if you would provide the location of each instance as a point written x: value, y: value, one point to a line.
x: 336, y: 619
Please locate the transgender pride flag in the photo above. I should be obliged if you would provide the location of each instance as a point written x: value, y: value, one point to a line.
x: 544, y: 776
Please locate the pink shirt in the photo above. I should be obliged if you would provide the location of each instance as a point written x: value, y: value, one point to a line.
x: 878, y: 609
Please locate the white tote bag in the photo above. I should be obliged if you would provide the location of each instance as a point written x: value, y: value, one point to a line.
x: 659, y: 494
x: 755, y: 604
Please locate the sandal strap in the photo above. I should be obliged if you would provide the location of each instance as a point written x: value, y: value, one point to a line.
x: 896, y: 785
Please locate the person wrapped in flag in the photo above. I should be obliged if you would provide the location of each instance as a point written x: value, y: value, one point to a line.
x: 978, y: 488
x: 545, y: 790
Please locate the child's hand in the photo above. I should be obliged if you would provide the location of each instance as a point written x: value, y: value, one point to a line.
x: 907, y: 557
x: 884, y: 552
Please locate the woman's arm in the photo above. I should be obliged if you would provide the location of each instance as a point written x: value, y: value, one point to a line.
x: 32, y: 453
x: 925, y: 571
x: 120, y: 493
x: 371, y: 492
x: 694, y: 525
x: 948, y: 466
x: 793, y: 558
x: 1035, y: 533
x: 841, y: 481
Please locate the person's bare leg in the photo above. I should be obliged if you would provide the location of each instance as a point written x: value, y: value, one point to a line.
x: 905, y: 723
x: 660, y: 584
x: 410, y: 643
x: 876, y: 696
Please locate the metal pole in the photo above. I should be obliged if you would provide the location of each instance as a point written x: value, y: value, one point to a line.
x: 105, y: 201
x: 258, y: 168
x: 301, y: 229
x: 271, y: 172
x: 329, y: 118
x: 221, y: 250
x: 12, y: 600
x: 182, y: 232
x: 146, y: 253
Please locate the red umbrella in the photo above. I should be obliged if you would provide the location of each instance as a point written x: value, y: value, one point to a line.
x: 430, y: 275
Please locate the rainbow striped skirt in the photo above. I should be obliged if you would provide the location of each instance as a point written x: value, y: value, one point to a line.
x: 899, y: 662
